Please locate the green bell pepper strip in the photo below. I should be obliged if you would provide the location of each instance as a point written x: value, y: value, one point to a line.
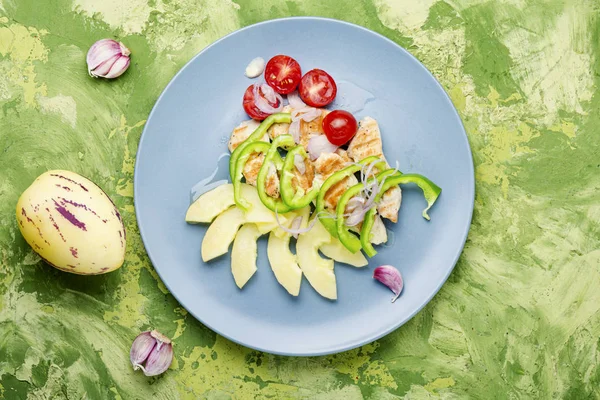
x: 273, y: 157
x: 431, y: 191
x: 326, y: 220
x: 255, y: 136
x: 295, y: 198
x: 255, y: 147
x: 349, y: 240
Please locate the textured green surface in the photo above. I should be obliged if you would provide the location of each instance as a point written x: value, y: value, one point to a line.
x: 517, y: 319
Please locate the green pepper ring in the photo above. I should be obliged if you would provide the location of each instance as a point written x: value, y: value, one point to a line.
x: 275, y: 205
x: 350, y: 241
x: 288, y: 194
x: 431, y: 191
x: 254, y: 147
x: 327, y: 222
x: 256, y: 135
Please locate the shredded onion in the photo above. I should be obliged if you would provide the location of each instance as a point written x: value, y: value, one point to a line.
x: 261, y: 102
x: 299, y: 231
x: 366, y: 200
x: 296, y: 224
x: 358, y: 206
x: 306, y: 114
x: 356, y: 211
x: 268, y: 92
x: 299, y: 163
x: 358, y: 200
x: 356, y: 216
x: 295, y: 131
x: 370, y: 167
x: 295, y: 101
x: 319, y: 144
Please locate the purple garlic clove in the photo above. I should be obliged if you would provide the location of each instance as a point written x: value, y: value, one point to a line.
x: 141, y: 348
x: 391, y: 278
x: 159, y: 359
x: 108, y: 58
x: 152, y: 352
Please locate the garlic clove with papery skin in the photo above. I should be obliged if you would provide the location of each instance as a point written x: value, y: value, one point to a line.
x: 141, y: 348
x: 159, y: 359
x: 391, y: 278
x: 255, y: 67
x: 152, y: 352
x: 108, y: 58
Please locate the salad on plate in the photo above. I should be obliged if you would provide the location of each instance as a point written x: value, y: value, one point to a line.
x: 300, y: 171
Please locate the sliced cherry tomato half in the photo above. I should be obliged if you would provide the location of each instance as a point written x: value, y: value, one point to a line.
x: 339, y: 126
x: 317, y: 88
x: 250, y: 106
x: 283, y: 74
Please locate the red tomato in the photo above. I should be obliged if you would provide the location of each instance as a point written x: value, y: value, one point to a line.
x: 251, y: 108
x: 283, y: 74
x: 339, y: 127
x: 317, y: 88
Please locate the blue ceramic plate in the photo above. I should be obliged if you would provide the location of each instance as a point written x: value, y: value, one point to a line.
x: 188, y: 129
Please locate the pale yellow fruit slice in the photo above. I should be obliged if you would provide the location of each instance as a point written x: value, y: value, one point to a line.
x: 243, y: 254
x: 283, y: 263
x: 318, y: 271
x: 338, y: 252
x: 210, y: 204
x: 305, y: 214
x: 258, y: 213
x: 285, y: 220
x: 221, y: 233
x: 266, y: 227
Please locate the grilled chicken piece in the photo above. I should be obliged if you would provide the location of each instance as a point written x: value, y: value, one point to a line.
x: 241, y: 133
x: 366, y: 143
x: 280, y: 129
x: 326, y: 165
x: 378, y: 232
x: 390, y: 202
x: 344, y: 154
x: 305, y: 180
x: 272, y: 182
x: 336, y: 191
x: 255, y: 161
x: 314, y: 127
x: 251, y: 169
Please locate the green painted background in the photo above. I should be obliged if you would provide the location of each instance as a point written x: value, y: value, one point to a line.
x: 519, y: 317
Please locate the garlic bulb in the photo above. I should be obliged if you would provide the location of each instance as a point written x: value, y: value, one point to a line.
x: 108, y: 58
x: 154, y: 349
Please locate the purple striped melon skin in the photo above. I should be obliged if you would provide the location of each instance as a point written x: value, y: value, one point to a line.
x: 72, y: 224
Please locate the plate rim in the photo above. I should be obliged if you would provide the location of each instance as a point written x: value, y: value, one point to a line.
x: 358, y: 342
